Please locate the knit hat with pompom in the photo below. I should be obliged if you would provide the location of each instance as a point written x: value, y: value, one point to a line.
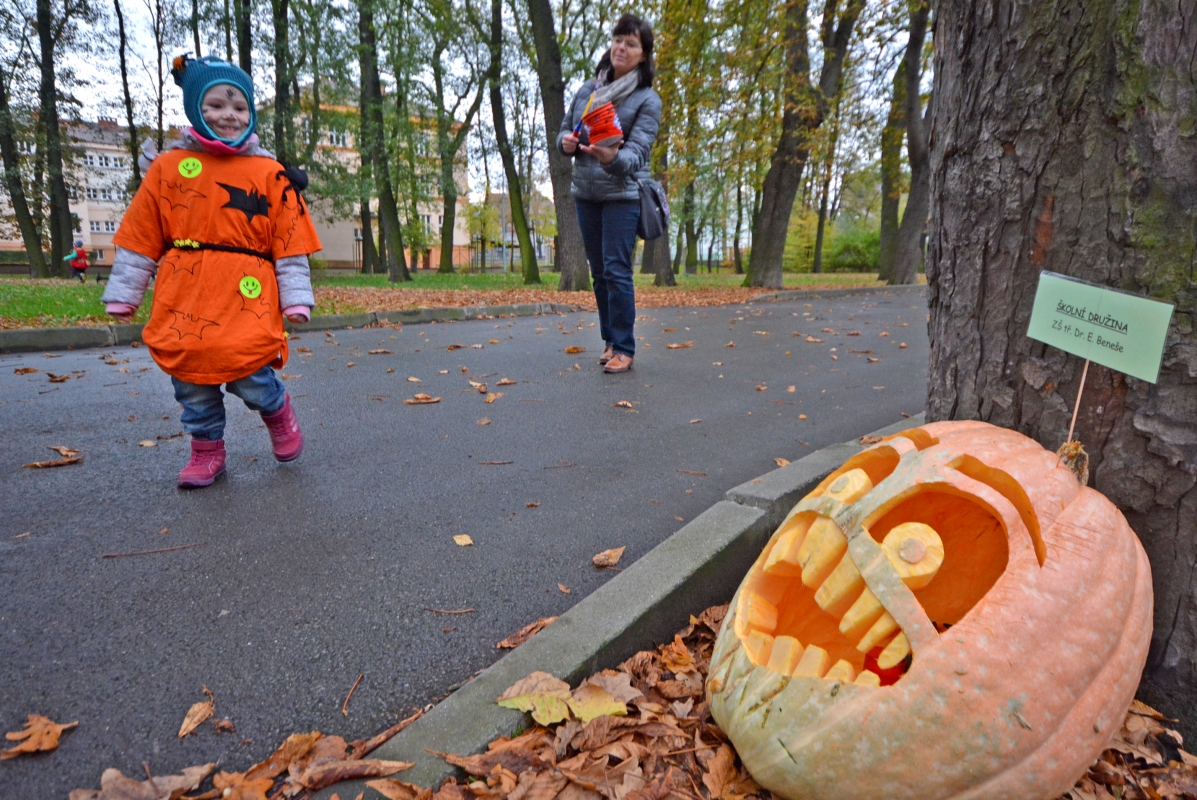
x: 196, y: 76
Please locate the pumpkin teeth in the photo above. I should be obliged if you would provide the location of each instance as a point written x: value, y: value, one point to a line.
x: 815, y: 548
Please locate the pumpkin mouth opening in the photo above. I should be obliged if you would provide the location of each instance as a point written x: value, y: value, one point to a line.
x: 822, y: 621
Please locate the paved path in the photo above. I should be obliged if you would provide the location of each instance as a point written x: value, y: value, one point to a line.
x: 315, y: 572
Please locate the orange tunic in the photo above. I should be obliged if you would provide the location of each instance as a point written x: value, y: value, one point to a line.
x: 216, y: 316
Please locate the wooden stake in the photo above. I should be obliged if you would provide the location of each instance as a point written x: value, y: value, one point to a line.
x: 1076, y: 408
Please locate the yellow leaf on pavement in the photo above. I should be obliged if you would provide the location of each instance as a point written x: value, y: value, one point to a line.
x: 680, y: 346
x: 575, y: 349
x: 540, y: 693
x: 506, y: 382
x: 492, y: 397
x: 525, y: 633
x: 591, y: 701
x: 422, y: 399
x: 238, y: 786
x: 39, y: 734
x: 608, y: 558
x: 413, y: 379
x: 781, y: 462
x: 198, y: 713
x: 463, y: 540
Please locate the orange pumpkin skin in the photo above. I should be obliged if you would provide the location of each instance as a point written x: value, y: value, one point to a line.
x: 1015, y: 699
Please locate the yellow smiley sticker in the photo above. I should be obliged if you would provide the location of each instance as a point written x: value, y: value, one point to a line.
x: 251, y: 287
x: 190, y: 167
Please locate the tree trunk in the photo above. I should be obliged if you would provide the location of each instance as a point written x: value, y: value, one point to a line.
x: 736, y: 254
x: 691, y: 234
x: 570, y: 256
x: 908, y: 252
x: 1062, y: 143
x: 283, y: 151
x: 805, y: 109
x: 134, y: 145
x: 16, y: 190
x: 891, y: 173
x: 245, y: 34
x: 677, y: 255
x: 369, y: 254
x: 825, y: 193
x: 515, y: 193
x: 195, y: 27
x: 227, y: 21
x: 60, y: 208
x: 390, y: 230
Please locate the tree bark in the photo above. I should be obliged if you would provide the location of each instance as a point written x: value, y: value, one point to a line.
x: 570, y: 255
x: 134, y: 145
x: 1062, y: 142
x: 825, y: 192
x: 891, y: 173
x: 908, y: 251
x: 806, y: 107
x: 60, y: 208
x: 515, y: 193
x: 284, y: 150
x: 194, y: 20
x: 16, y: 190
x: 688, y: 226
x: 390, y: 230
x: 245, y: 34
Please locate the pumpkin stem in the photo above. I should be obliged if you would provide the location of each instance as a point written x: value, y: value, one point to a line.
x: 1076, y: 459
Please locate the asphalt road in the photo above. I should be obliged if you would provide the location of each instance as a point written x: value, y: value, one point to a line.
x: 312, y: 573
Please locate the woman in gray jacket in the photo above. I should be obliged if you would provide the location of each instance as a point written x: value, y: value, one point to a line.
x: 605, y: 189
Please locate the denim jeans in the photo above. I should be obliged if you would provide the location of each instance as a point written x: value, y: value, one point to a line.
x: 203, y: 405
x: 609, y: 235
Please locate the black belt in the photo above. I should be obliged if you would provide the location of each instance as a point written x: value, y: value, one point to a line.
x: 190, y: 244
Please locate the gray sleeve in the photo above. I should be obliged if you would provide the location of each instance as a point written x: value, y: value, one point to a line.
x: 567, y: 122
x: 294, y: 282
x: 638, y: 144
x: 131, y: 274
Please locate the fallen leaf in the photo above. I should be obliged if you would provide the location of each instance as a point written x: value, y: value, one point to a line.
x: 883, y: 334
x: 351, y: 364
x: 761, y: 333
x: 575, y: 349
x: 236, y: 786
x: 695, y: 421
x: 608, y: 558
x: 463, y: 540
x: 902, y: 346
x: 484, y: 421
x: 681, y: 346
x: 39, y: 734
x: 781, y: 462
x: 852, y: 333
x: 692, y: 472
x: 721, y: 772
x: 542, y: 694
x: 872, y: 360
x: 761, y: 388
x: 413, y: 379
x: 287, y: 377
x: 668, y: 330
x: 531, y: 505
x: 618, y: 685
x: 730, y: 344
x: 802, y: 416
x: 26, y: 370
x: 492, y: 397
x: 680, y: 519
x: 860, y: 351
x: 22, y: 535
x: 476, y: 346
x: 422, y: 400
x: 813, y: 340
x: 492, y: 341
x: 115, y: 786
x: 453, y: 347
x: 379, y: 353
x: 148, y: 443
x: 442, y: 372
x: 506, y: 382
x: 870, y: 439
x: 623, y: 404
x: 55, y: 462
x: 390, y: 370
x: 198, y: 713
x: 393, y: 789
x: 525, y: 633
x: 224, y: 726
x: 63, y: 451
x: 791, y: 389
x: 564, y: 589
x: 59, y: 378
x: 590, y: 701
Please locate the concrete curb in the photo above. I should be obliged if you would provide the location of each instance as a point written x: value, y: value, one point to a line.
x: 699, y: 566
x: 28, y: 340
x: 821, y: 294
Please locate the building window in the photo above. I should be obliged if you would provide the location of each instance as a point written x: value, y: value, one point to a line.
x: 97, y: 255
x: 109, y: 226
x: 90, y: 160
x: 338, y: 138
x: 94, y: 226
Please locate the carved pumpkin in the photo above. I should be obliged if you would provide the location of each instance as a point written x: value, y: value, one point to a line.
x: 1005, y: 608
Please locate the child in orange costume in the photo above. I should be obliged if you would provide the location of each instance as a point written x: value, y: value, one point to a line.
x: 223, y: 226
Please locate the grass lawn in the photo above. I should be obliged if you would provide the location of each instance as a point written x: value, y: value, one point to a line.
x: 58, y: 302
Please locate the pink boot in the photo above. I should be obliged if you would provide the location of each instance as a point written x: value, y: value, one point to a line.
x: 285, y: 436
x: 206, y: 465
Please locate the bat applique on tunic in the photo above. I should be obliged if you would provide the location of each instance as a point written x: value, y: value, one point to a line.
x: 252, y: 203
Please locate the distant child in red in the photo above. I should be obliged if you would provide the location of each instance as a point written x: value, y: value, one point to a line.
x: 222, y: 225
x: 78, y: 261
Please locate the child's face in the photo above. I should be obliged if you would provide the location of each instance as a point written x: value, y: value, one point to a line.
x: 226, y: 110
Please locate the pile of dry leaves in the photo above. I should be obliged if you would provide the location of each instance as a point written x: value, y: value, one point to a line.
x: 641, y: 732
x: 644, y: 732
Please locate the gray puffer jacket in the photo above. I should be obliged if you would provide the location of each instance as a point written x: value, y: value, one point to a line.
x: 640, y: 118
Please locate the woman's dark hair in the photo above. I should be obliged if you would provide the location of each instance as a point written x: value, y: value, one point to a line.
x: 628, y: 24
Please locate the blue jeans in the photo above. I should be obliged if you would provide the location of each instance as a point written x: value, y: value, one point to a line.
x: 203, y: 406
x: 609, y: 235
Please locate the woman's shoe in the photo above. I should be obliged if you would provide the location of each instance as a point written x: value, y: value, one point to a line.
x: 618, y: 363
x: 607, y: 355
